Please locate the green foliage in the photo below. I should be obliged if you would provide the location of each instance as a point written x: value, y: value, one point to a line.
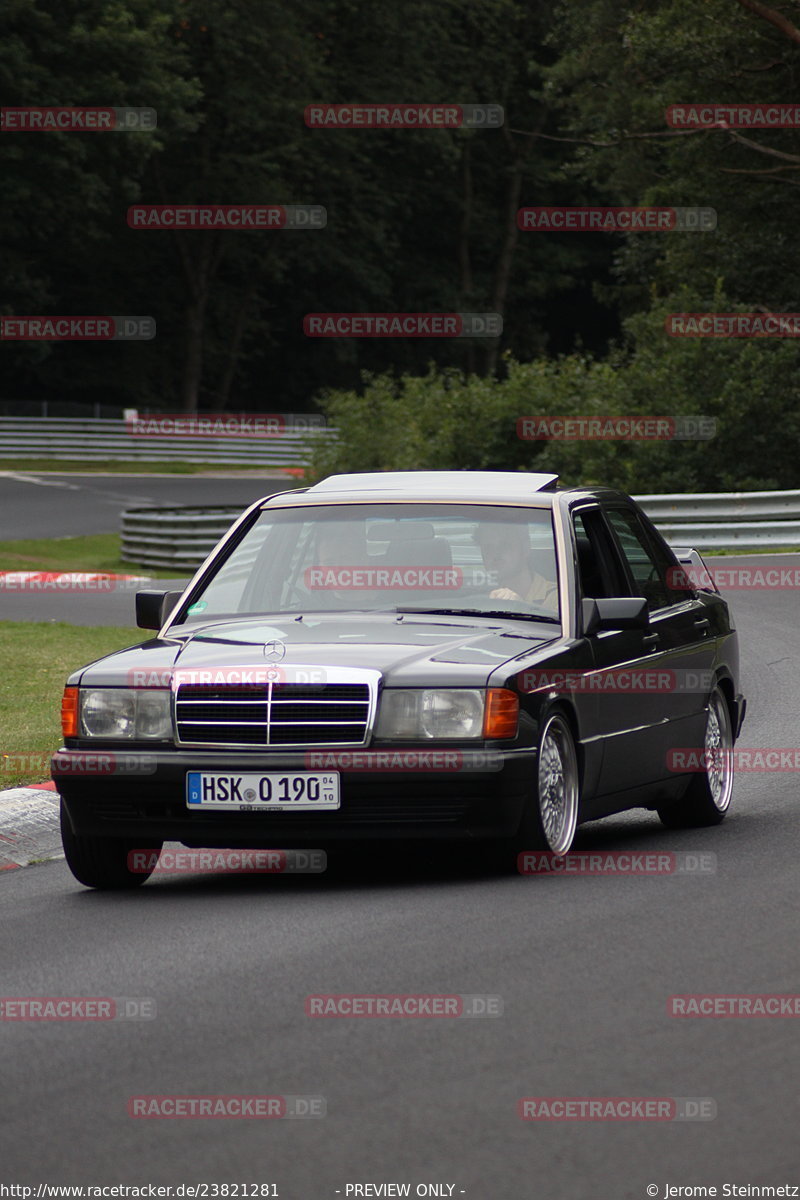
x: 417, y: 221
x: 445, y: 420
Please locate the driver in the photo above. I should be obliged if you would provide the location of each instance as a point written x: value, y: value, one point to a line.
x: 338, y: 546
x: 506, y: 552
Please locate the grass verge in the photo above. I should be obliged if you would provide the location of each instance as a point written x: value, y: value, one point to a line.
x: 92, y: 552
x: 37, y: 657
x: 731, y: 550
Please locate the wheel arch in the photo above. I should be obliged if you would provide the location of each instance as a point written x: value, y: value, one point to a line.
x: 562, y: 706
x: 726, y: 686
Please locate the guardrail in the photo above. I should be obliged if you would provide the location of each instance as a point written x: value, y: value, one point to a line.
x: 182, y: 538
x: 109, y: 440
x: 172, y: 537
x: 723, y: 520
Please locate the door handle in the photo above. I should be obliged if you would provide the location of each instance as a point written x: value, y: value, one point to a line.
x: 651, y: 640
x: 703, y: 623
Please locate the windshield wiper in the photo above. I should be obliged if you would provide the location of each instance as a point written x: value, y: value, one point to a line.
x: 478, y: 612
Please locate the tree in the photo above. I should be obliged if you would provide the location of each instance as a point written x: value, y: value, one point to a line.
x: 65, y: 194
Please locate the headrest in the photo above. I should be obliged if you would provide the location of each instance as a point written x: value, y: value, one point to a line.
x: 401, y: 531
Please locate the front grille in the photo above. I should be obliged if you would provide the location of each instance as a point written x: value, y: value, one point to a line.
x: 278, y: 714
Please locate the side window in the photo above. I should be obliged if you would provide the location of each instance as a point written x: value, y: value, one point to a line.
x: 646, y: 560
x: 230, y: 589
x: 599, y: 570
x: 666, y: 566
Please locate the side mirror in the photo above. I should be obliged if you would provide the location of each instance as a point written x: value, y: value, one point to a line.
x: 619, y: 612
x: 153, y: 608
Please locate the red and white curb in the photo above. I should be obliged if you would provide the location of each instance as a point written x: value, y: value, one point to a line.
x: 30, y: 830
x: 29, y: 827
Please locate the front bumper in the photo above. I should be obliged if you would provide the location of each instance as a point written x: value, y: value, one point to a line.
x: 143, y: 796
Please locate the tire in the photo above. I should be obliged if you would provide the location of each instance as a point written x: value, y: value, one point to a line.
x: 551, y: 818
x: 102, y: 862
x: 708, y: 797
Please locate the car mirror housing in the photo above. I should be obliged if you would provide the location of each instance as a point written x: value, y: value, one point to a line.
x: 153, y: 608
x: 614, y: 613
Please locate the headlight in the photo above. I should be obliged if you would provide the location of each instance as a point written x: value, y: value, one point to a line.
x: 423, y: 714
x: 136, y: 714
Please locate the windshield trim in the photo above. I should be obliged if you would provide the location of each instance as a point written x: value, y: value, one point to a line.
x: 538, y: 500
x: 295, y: 502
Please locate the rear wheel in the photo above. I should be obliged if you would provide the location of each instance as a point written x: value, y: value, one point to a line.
x: 551, y: 817
x: 708, y: 797
x: 104, y: 862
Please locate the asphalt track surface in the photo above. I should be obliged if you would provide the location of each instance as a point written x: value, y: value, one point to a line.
x: 43, y: 505
x: 88, y: 604
x: 584, y: 966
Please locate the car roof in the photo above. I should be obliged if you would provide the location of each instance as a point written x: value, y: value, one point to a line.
x: 482, y: 487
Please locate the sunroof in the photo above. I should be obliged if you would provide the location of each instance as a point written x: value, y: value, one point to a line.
x: 474, y: 482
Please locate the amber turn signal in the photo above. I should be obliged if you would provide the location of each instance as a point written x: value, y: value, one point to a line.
x: 501, y: 714
x: 69, y: 712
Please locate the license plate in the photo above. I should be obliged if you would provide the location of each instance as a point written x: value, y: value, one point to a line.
x: 212, y: 790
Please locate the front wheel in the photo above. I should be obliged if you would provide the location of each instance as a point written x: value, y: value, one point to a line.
x: 708, y: 797
x: 106, y: 862
x: 550, y: 818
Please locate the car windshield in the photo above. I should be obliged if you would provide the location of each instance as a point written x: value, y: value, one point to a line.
x: 388, y: 557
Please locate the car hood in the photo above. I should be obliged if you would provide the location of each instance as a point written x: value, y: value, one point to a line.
x: 408, y: 650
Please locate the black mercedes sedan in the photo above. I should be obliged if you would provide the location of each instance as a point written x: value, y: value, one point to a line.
x: 409, y: 655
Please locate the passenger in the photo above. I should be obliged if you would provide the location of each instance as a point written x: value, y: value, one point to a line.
x: 507, y: 555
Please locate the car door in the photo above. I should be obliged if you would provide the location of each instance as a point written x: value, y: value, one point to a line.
x: 621, y: 694
x: 679, y: 640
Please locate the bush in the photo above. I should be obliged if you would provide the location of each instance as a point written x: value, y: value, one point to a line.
x: 446, y: 420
